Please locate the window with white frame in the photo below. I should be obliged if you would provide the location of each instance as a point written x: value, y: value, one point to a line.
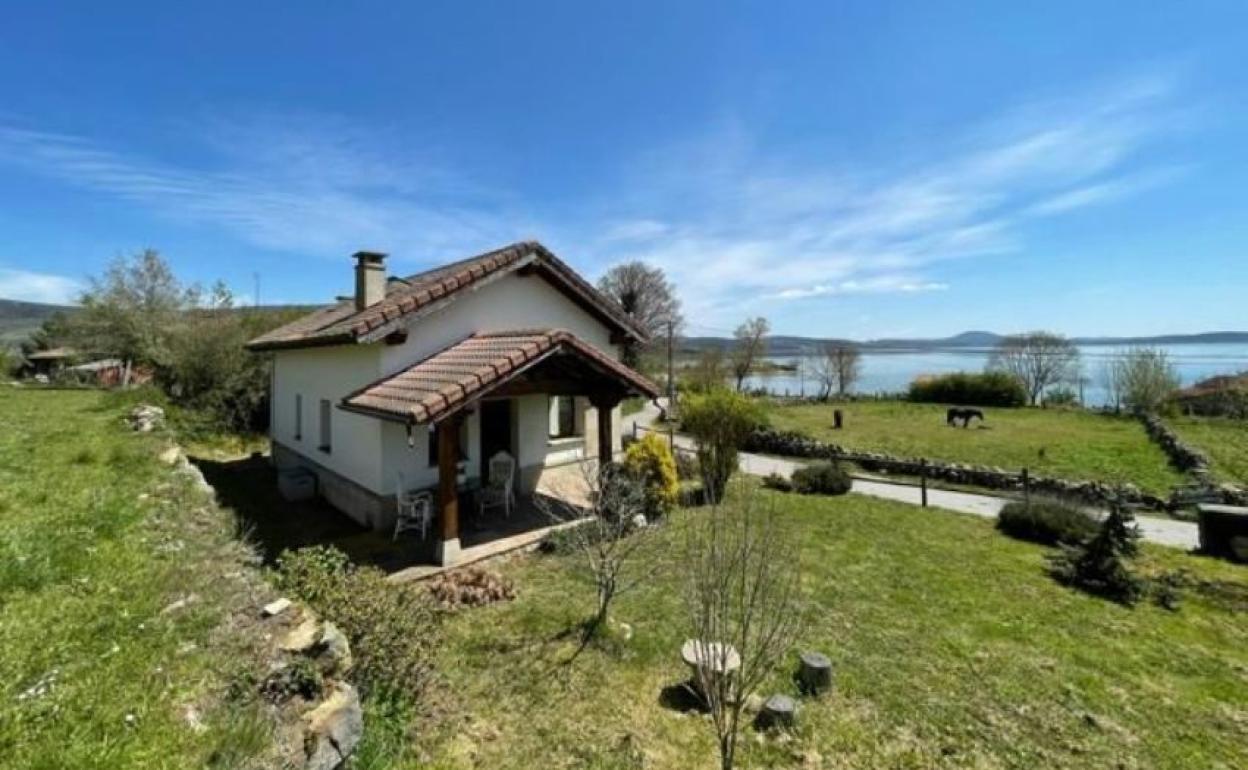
x: 563, y: 417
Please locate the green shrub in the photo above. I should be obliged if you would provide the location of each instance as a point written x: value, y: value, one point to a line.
x: 1061, y: 397
x: 1048, y: 522
x: 392, y: 628
x: 1102, y: 565
x: 649, y: 461
x: 777, y: 482
x: 720, y: 422
x: 823, y: 478
x: 969, y: 388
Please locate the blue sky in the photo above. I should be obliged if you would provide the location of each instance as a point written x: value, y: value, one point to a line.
x: 859, y: 169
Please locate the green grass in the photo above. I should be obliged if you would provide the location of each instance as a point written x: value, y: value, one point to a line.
x: 951, y: 646
x: 1225, y: 441
x: 96, y: 538
x: 1057, y: 442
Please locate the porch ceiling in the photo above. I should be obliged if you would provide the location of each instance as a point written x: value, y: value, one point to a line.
x: 510, y: 362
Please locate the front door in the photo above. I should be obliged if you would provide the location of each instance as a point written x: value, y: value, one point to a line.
x: 495, y: 432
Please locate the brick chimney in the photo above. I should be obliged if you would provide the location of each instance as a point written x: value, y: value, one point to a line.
x: 370, y: 278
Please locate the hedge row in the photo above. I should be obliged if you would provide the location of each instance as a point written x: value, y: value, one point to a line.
x: 973, y: 389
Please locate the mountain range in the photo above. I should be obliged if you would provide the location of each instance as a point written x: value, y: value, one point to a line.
x: 18, y: 319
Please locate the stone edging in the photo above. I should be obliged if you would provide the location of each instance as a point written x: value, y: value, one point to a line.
x: 792, y: 444
x: 1183, y: 456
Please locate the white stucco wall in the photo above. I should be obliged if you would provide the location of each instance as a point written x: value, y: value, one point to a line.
x: 511, y: 302
x: 329, y: 373
x: 372, y: 452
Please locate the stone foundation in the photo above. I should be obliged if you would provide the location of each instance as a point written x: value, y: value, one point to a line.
x: 363, y: 505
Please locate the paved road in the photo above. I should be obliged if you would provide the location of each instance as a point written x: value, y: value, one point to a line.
x: 1177, y: 534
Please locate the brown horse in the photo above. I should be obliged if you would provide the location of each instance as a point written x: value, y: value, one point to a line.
x: 959, y: 413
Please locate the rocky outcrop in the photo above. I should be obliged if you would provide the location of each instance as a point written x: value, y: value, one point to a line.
x: 333, y: 729
x: 792, y: 444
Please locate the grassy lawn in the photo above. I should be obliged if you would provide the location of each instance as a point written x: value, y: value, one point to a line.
x: 1057, y: 442
x: 951, y: 646
x: 97, y: 540
x: 1224, y: 441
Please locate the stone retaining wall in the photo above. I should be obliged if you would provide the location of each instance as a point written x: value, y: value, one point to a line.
x: 792, y: 444
x: 1183, y: 456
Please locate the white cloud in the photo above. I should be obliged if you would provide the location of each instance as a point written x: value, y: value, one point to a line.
x: 38, y: 287
x: 323, y: 191
x: 880, y: 284
x: 746, y: 226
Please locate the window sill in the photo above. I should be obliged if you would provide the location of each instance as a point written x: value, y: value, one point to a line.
x: 562, y: 442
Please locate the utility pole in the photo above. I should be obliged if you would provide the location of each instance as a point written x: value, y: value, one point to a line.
x: 671, y: 387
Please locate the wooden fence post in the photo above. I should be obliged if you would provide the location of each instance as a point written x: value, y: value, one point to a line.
x: 923, y: 479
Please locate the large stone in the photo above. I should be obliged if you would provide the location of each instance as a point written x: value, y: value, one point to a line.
x: 303, y: 637
x: 333, y: 729
x: 276, y: 607
x: 334, y: 651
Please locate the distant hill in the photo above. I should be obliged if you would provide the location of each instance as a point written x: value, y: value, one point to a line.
x: 784, y: 345
x: 18, y: 319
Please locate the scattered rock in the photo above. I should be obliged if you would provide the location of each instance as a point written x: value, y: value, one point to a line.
x: 275, y: 608
x: 335, y: 651
x: 333, y: 729
x: 146, y: 418
x: 303, y: 638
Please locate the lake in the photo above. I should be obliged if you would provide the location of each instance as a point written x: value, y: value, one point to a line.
x: 892, y: 371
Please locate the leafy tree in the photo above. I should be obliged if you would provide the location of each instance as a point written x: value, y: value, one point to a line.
x: 1147, y: 379
x: 130, y: 312
x: 647, y: 298
x: 707, y: 373
x: 1037, y: 360
x: 751, y: 346
x: 719, y: 421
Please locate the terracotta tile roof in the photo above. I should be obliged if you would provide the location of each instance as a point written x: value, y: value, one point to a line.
x: 342, y: 324
x: 447, y: 381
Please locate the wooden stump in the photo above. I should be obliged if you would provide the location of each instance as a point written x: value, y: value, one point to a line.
x: 815, y: 673
x: 838, y: 419
x: 779, y: 711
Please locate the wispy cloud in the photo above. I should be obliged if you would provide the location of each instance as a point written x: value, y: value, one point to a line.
x: 38, y: 287
x: 739, y: 226
x: 880, y: 284
x: 323, y: 190
x: 742, y: 226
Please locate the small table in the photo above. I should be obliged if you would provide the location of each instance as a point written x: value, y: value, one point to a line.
x: 718, y: 658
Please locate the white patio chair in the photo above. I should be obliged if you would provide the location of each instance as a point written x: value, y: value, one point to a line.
x: 415, y: 509
x: 499, y: 489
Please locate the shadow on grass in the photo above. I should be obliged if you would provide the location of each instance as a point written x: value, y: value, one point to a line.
x: 247, y: 487
x: 683, y: 697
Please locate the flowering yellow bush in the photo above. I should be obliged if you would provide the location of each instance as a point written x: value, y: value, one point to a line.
x: 650, y: 461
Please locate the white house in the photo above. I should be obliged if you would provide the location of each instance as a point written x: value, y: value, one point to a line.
x: 424, y: 378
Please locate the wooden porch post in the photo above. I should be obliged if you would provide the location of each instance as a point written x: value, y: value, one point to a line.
x: 448, y: 491
x: 604, y: 404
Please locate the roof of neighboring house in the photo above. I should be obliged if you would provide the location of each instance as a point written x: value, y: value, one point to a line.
x: 95, y: 366
x: 342, y: 324
x: 470, y: 369
x: 52, y: 354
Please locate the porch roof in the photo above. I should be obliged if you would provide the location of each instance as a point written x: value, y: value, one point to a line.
x: 456, y: 377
